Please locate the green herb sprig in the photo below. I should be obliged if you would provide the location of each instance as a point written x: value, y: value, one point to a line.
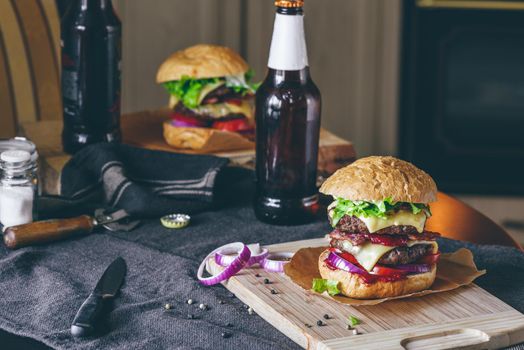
x: 353, y: 321
x: 321, y: 285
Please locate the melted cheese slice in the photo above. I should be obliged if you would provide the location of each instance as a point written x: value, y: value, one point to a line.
x: 368, y: 254
x: 222, y: 109
x: 400, y: 218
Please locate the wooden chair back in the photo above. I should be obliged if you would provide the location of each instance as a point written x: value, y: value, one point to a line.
x: 29, y: 63
x: 454, y: 219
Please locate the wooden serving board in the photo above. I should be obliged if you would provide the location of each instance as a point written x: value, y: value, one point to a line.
x: 465, y: 318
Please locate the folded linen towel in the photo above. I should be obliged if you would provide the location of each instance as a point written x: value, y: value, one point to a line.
x: 143, y: 182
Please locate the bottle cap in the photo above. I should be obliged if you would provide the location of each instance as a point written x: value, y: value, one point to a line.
x: 15, y: 156
x: 175, y: 220
x: 289, y: 3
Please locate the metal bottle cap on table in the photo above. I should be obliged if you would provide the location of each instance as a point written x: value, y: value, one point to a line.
x: 175, y: 220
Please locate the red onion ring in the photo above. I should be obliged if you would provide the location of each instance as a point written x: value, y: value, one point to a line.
x: 236, y: 265
x: 342, y: 264
x: 274, y: 262
x: 182, y: 123
x: 227, y: 256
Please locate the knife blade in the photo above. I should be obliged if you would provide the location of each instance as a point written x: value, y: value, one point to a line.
x: 107, y: 287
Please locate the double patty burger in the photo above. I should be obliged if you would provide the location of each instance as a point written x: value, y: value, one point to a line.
x: 379, y: 247
x: 209, y: 87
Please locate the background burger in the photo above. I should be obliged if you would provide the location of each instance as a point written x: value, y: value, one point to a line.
x: 209, y: 87
x: 379, y: 247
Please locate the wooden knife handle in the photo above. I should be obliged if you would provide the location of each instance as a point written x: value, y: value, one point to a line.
x: 47, y: 231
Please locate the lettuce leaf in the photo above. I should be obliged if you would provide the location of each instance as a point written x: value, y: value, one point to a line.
x: 321, y: 285
x: 366, y: 209
x: 241, y: 83
x: 188, y: 90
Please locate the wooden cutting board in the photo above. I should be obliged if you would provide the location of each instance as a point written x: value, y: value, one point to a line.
x: 465, y: 318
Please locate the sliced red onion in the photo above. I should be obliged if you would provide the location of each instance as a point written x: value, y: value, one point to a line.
x: 238, y: 263
x: 182, y: 123
x: 342, y: 264
x: 414, y: 268
x: 275, y: 261
x: 227, y: 256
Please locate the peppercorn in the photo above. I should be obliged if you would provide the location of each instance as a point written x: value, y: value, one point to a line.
x: 190, y: 301
x: 202, y: 307
x: 226, y: 334
x: 168, y: 307
x: 355, y: 332
x: 326, y: 316
x: 308, y: 325
x: 348, y: 327
x: 266, y: 281
x: 250, y: 311
x: 273, y: 291
x: 257, y: 275
x: 320, y: 323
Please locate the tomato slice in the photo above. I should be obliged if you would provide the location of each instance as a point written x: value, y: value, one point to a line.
x: 239, y: 124
x: 429, y: 259
x: 381, y: 270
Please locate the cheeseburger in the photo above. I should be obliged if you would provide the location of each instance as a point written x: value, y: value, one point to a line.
x: 379, y: 247
x: 209, y: 87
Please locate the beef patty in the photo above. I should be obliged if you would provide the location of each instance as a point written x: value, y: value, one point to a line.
x: 361, y: 238
x: 221, y: 94
x: 399, y: 255
x: 351, y: 224
x: 181, y: 109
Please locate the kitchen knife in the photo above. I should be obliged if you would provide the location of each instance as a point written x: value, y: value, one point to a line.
x: 91, y: 310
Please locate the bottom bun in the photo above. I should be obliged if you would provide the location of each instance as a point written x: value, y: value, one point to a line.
x: 352, y: 285
x: 204, y: 139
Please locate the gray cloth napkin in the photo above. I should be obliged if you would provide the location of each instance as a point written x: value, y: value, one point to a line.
x: 42, y: 287
x: 146, y: 183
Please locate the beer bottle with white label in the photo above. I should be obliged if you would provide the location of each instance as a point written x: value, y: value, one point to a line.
x: 287, y: 125
x: 91, y: 35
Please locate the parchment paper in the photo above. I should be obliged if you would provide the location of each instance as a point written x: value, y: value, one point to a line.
x: 453, y: 270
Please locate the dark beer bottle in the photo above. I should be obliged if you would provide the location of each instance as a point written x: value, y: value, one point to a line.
x: 91, y: 42
x: 287, y: 125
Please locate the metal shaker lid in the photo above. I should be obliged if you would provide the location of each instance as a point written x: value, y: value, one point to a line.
x: 19, y: 144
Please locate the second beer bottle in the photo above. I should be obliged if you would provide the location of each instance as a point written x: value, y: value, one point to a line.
x: 287, y: 125
x: 91, y: 55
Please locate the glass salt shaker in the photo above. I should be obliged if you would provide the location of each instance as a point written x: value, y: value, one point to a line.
x: 18, y: 188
